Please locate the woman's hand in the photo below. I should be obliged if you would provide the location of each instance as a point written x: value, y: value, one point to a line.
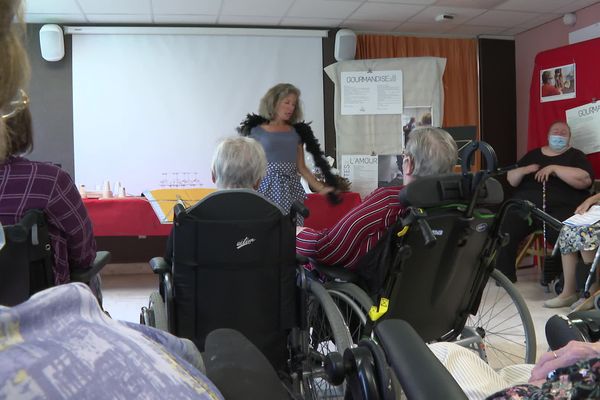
x: 515, y: 176
x: 574, y: 351
x: 544, y: 174
x: 583, y: 207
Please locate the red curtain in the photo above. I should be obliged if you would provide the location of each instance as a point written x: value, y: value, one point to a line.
x: 460, y: 77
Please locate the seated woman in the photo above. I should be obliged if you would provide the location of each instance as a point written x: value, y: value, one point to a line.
x: 60, y: 345
x: 30, y: 185
x: 556, y: 178
x: 238, y: 163
x: 570, y: 372
x: 574, y: 239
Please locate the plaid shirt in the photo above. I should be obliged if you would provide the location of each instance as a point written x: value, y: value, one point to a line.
x: 25, y: 185
x: 355, y: 234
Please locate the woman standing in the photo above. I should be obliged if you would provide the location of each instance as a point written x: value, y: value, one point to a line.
x: 283, y: 136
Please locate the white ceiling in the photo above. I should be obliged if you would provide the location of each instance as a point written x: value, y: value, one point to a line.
x: 471, y: 17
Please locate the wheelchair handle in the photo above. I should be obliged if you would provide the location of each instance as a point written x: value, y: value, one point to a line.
x: 426, y: 231
x: 20, y: 231
x: 549, y: 219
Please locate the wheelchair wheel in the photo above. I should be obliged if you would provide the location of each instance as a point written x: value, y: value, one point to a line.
x: 156, y: 306
x: 354, y: 305
x: 504, y: 324
x: 597, y: 302
x: 327, y: 333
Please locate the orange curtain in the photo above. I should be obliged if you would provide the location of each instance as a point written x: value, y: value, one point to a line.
x: 460, y: 77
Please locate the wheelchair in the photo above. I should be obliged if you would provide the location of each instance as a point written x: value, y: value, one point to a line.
x: 234, y: 266
x: 26, y: 262
x: 434, y: 270
x: 371, y: 371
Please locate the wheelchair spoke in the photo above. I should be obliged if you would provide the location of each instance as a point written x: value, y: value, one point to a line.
x: 321, y: 343
x: 502, y: 324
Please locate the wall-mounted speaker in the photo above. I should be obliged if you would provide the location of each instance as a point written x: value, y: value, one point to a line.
x: 52, y: 43
x: 345, y: 45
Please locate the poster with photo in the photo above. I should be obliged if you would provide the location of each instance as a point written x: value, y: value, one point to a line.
x: 557, y: 83
x: 389, y: 170
x: 413, y: 117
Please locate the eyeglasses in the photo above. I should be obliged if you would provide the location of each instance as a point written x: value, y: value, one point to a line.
x: 20, y: 102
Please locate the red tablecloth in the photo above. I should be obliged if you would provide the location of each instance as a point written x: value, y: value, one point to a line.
x: 130, y: 216
x: 323, y: 214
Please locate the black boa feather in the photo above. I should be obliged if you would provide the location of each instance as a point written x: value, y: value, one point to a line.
x: 308, y: 138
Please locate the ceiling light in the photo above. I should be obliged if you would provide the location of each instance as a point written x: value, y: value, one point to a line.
x: 444, y: 17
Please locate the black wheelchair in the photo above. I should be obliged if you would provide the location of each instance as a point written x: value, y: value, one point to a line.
x: 26, y: 261
x: 234, y: 266
x: 434, y: 269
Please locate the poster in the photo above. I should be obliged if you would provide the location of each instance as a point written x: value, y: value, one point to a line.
x: 557, y: 83
x: 389, y: 170
x: 371, y: 92
x: 362, y: 172
x: 413, y: 117
x: 584, y: 122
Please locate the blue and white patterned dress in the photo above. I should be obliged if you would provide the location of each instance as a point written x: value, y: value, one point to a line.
x: 281, y: 184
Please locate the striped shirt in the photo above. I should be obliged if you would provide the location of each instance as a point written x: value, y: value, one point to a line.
x: 26, y: 185
x: 356, y: 233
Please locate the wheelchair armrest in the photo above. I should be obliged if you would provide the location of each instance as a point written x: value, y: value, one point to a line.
x: 85, y: 275
x: 159, y: 266
x: 420, y: 373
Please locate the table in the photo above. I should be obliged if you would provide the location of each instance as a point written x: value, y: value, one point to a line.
x: 323, y: 214
x: 131, y: 231
x: 128, y: 228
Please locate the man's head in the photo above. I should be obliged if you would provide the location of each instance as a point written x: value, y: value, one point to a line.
x: 429, y: 151
x: 238, y: 163
x: 548, y: 77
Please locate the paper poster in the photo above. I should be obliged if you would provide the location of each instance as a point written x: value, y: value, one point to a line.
x: 413, y: 117
x: 584, y: 122
x: 362, y: 172
x: 389, y: 170
x: 557, y: 83
x: 371, y: 92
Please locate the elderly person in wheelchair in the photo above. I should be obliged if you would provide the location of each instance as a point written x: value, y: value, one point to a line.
x: 36, y: 196
x: 429, y: 151
x: 238, y: 163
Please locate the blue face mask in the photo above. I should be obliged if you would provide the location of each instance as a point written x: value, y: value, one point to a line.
x: 557, y: 143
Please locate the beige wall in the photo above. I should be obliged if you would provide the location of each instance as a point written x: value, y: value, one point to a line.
x: 527, y: 45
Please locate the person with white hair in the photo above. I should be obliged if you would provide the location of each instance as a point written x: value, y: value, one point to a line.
x: 429, y: 151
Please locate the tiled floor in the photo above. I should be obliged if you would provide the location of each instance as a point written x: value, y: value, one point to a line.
x: 124, y: 295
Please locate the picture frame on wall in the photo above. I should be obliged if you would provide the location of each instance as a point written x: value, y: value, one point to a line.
x: 558, y: 83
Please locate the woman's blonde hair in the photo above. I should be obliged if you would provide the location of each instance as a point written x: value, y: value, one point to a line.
x: 14, y: 65
x: 268, y: 104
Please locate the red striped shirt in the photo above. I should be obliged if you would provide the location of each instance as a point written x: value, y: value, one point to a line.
x: 355, y: 234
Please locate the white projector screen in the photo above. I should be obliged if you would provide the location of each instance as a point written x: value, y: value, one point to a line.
x: 148, y: 108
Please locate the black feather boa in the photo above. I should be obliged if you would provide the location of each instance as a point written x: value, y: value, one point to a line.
x: 308, y: 138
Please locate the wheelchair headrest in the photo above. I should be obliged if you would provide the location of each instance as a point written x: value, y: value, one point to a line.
x: 439, y: 190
